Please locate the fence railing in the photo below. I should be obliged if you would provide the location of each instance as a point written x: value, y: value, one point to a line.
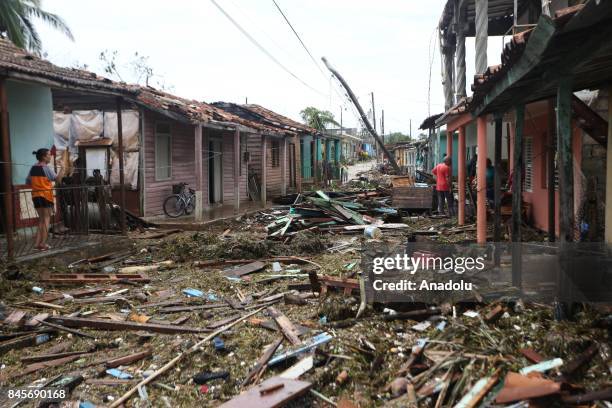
x: 77, y: 211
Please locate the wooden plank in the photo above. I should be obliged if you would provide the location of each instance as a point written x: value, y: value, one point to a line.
x: 24, y: 341
x: 32, y: 368
x: 54, y: 356
x: 253, y: 398
x: 262, y: 363
x: 101, y: 324
x: 285, y: 325
x: 129, y: 359
x: 15, y: 318
x: 244, y: 269
x: 80, y: 278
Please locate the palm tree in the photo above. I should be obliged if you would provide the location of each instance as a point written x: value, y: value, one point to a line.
x: 318, y: 119
x: 17, y: 23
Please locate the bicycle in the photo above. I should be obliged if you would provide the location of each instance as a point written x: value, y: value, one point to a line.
x: 182, y: 202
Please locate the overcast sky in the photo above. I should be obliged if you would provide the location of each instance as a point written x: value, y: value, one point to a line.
x: 379, y: 46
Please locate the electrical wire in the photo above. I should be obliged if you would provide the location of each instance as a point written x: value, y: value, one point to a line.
x: 263, y: 49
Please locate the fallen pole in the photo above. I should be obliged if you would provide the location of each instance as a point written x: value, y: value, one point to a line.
x: 366, y: 122
x: 176, y: 359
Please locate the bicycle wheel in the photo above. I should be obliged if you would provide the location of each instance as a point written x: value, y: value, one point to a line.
x: 190, y: 205
x: 174, y: 206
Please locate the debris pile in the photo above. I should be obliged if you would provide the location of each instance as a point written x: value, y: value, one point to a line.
x: 267, y: 310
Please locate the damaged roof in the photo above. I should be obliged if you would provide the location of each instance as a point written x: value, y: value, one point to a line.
x: 573, y: 43
x: 279, y: 120
x: 20, y: 64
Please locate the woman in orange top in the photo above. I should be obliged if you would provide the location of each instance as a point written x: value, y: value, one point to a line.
x: 41, y: 178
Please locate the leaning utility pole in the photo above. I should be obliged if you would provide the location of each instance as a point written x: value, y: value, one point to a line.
x: 366, y: 122
x: 382, y: 126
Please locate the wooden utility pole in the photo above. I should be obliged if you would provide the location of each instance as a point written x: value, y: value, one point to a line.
x: 382, y: 126
x: 366, y: 122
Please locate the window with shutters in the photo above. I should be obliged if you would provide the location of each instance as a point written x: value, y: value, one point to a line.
x: 528, y: 160
x: 163, y: 152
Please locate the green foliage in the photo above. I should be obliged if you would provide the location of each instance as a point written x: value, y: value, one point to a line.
x: 17, y: 23
x: 396, y: 137
x: 318, y: 119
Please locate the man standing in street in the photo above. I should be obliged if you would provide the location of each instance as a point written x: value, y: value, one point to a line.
x: 442, y: 175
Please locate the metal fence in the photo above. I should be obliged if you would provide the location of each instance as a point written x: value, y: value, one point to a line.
x: 78, y: 211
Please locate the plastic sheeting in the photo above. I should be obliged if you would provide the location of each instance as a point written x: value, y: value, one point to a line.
x: 130, y: 168
x: 87, y: 125
x: 130, y: 121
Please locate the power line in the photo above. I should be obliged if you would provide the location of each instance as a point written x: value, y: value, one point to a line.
x: 298, y: 37
x: 342, y: 99
x: 262, y: 49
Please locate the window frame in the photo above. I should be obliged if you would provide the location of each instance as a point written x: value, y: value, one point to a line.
x: 169, y: 136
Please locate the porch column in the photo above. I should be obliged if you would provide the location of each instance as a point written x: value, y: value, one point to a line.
x: 608, y: 231
x: 264, y: 170
x: 550, y: 163
x: 237, y: 161
x: 298, y: 168
x: 198, y: 173
x: 497, y: 185
x: 517, y: 196
x: 316, y: 159
x: 482, y: 35
x: 121, y: 167
x: 205, y: 169
x: 283, y: 163
x: 566, y: 166
x: 481, y: 176
x: 7, y: 170
x: 461, y: 175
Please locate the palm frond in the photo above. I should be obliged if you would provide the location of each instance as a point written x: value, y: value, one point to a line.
x: 10, y: 22
x: 55, y: 21
x: 32, y: 37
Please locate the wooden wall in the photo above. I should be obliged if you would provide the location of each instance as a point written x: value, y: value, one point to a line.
x: 183, y: 161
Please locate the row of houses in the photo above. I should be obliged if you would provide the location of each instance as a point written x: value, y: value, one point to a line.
x: 144, y: 141
x: 542, y: 116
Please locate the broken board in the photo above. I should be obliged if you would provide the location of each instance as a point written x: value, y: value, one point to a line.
x: 78, y: 278
x: 244, y: 269
x: 412, y: 197
x: 276, y: 397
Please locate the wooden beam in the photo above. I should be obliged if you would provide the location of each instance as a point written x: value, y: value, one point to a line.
x: 121, y: 165
x: 6, y: 171
x: 608, y: 225
x: 264, y: 170
x: 497, y: 185
x: 449, y: 149
x: 237, y: 161
x: 461, y: 175
x: 298, y: 168
x: 550, y: 164
x: 481, y: 170
x: 283, y: 169
x: 517, y: 195
x: 566, y: 163
x: 206, y: 168
x: 198, y: 173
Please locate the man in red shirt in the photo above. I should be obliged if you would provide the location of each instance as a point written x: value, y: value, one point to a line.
x: 442, y: 175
